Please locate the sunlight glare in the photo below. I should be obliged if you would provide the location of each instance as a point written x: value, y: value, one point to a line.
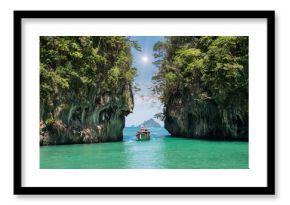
x: 144, y: 59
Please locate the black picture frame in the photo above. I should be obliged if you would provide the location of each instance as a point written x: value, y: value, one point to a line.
x: 269, y: 189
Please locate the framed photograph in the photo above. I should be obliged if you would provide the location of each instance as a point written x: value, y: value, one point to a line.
x: 144, y: 102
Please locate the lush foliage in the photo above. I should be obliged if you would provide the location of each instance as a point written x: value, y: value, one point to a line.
x: 208, y: 73
x: 75, y: 72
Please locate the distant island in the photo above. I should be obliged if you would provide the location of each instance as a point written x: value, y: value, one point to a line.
x: 150, y: 123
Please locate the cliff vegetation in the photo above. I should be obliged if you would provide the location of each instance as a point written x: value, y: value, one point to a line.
x: 203, y: 84
x: 85, y: 88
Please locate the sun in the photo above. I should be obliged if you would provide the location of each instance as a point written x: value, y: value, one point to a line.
x: 144, y: 59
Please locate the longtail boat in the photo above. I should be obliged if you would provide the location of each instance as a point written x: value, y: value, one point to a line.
x: 143, y: 134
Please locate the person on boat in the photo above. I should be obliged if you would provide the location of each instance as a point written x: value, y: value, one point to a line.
x: 142, y: 128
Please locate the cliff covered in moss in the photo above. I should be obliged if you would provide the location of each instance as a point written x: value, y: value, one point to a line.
x: 203, y: 84
x: 85, y: 88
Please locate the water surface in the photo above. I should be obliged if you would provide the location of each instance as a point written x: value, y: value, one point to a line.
x: 162, y: 151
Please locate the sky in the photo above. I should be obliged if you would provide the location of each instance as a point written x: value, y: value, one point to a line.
x: 145, y: 104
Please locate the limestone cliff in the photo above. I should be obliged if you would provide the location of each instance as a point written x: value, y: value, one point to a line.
x: 188, y: 117
x: 85, y: 88
x: 203, y: 83
x: 102, y: 122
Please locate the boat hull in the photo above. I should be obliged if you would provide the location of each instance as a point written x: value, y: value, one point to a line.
x: 142, y: 136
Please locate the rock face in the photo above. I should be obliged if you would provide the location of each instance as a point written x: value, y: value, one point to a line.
x: 187, y: 117
x: 102, y: 122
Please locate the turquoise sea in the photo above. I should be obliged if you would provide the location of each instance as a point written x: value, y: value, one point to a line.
x: 161, y: 152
